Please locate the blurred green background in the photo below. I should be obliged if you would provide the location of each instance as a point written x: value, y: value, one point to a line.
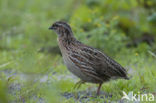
x: 31, y: 67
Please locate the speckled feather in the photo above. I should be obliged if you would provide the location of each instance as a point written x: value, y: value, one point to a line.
x: 87, y: 63
x: 92, y: 62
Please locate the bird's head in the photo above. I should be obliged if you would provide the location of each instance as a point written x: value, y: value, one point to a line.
x: 61, y: 28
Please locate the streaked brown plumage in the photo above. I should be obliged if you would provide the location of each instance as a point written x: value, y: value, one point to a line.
x: 87, y: 63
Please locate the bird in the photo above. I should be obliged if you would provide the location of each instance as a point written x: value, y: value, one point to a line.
x: 87, y: 63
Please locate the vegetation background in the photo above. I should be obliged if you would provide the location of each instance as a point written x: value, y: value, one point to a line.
x: 31, y: 67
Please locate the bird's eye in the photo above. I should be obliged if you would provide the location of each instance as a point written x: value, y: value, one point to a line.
x: 55, y: 26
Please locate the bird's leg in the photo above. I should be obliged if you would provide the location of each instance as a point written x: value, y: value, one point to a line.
x: 78, y: 84
x: 81, y: 82
x: 98, y: 90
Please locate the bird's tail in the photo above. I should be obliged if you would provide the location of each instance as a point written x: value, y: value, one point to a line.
x: 127, y: 78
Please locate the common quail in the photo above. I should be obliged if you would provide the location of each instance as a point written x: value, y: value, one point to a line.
x: 87, y: 63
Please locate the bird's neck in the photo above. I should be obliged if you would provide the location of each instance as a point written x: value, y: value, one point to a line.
x: 66, y: 38
x: 65, y: 42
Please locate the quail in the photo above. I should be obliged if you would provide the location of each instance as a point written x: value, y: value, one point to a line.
x: 85, y: 62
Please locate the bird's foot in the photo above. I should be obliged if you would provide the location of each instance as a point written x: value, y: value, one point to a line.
x: 78, y: 84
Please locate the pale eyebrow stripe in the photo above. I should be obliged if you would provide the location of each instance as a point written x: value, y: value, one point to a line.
x: 65, y: 26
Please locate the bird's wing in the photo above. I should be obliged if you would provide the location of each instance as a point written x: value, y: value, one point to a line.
x: 101, y: 65
x: 85, y: 64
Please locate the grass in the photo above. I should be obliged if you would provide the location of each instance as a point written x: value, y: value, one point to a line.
x: 34, y: 77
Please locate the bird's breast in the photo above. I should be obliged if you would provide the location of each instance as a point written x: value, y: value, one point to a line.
x: 75, y: 70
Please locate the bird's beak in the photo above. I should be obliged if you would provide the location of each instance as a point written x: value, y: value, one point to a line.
x: 51, y: 28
